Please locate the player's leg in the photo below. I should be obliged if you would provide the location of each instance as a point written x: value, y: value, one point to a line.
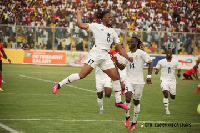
x: 122, y: 81
x: 128, y: 95
x: 100, y: 101
x: 112, y: 73
x: 86, y: 69
x: 1, y: 75
x: 100, y: 86
x: 108, y: 91
x: 108, y: 87
x: 136, y: 100
x: 172, y: 91
x: 99, y: 89
x: 123, y: 87
x: 108, y: 67
x: 165, y: 91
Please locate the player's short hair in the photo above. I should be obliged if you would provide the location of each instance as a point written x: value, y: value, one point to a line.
x: 100, y: 15
x: 168, y: 49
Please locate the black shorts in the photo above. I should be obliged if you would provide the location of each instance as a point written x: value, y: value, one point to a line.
x: 186, y: 76
x: 0, y: 65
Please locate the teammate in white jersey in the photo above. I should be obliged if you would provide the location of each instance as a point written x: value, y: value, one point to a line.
x: 98, y: 56
x: 103, y: 83
x: 122, y: 73
x: 134, y: 83
x: 168, y: 67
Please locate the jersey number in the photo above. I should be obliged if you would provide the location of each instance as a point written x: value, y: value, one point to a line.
x: 169, y: 70
x: 108, y: 37
x: 132, y: 65
x: 90, y: 61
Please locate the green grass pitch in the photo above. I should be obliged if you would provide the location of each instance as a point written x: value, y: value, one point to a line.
x: 27, y: 104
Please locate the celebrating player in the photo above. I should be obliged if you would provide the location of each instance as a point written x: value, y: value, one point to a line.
x: 98, y: 56
x: 5, y: 57
x: 103, y: 83
x: 168, y: 67
x: 134, y: 83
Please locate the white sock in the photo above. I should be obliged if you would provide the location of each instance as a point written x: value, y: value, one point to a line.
x: 69, y: 79
x: 100, y: 103
x: 166, y: 103
x: 136, y: 112
x: 127, y: 111
x: 117, y: 89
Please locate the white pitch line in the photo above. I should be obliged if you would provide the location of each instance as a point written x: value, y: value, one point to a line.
x: 8, y: 128
x: 56, y: 82
x: 21, y: 94
x: 74, y: 120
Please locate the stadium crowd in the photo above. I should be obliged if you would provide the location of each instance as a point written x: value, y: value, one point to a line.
x: 172, y: 22
x: 146, y: 15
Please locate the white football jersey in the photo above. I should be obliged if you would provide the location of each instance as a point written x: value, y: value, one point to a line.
x: 103, y: 35
x: 168, y: 70
x: 134, y: 70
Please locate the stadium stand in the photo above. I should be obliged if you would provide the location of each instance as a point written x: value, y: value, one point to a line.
x: 38, y: 21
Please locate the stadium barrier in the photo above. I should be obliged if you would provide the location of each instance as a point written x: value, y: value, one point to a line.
x: 46, y: 57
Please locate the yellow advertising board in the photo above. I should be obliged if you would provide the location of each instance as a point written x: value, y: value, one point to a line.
x: 15, y: 55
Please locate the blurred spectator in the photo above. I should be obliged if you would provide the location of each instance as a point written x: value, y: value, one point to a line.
x: 139, y: 15
x: 145, y: 13
x: 25, y: 46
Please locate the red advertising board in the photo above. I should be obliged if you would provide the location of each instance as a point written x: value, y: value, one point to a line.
x: 44, y: 57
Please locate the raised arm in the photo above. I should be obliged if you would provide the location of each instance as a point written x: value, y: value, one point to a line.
x: 79, y: 19
x: 123, y: 53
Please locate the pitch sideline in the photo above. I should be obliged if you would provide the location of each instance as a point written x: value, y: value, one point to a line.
x: 8, y: 128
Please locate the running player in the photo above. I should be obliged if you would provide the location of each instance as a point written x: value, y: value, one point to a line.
x: 5, y: 57
x: 103, y: 83
x: 134, y: 83
x: 98, y: 56
x: 168, y: 67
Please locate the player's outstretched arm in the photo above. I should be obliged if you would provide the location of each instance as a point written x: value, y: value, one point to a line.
x: 123, y: 53
x: 79, y: 19
x: 118, y: 65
